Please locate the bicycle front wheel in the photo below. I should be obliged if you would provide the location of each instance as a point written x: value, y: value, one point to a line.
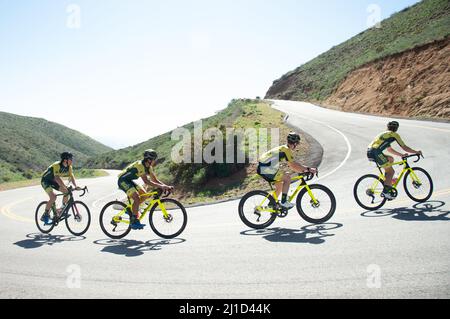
x: 43, y: 228
x: 256, y: 210
x: 113, y: 222
x: 168, y: 219
x: 319, y: 208
x: 78, y: 219
x: 418, y: 185
x: 367, y: 192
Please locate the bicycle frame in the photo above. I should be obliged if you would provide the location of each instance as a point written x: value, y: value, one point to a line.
x: 118, y: 217
x: 69, y: 204
x: 302, y: 185
x: 406, y: 168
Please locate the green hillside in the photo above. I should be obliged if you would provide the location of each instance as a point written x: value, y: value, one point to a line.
x: 422, y: 23
x: 28, y: 145
x: 202, y: 181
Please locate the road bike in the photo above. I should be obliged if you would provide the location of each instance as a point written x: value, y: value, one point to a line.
x: 167, y: 217
x: 315, y: 203
x: 417, y: 182
x: 76, y: 215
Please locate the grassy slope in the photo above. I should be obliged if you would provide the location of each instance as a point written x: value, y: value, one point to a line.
x: 28, y: 145
x: 424, y: 22
x: 198, y: 182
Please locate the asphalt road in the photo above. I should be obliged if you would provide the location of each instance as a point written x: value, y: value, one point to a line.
x: 401, y: 251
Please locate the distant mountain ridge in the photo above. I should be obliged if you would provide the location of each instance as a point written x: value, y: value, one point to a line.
x: 28, y: 145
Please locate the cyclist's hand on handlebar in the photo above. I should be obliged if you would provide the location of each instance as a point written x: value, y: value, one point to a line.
x: 419, y: 153
x: 312, y: 170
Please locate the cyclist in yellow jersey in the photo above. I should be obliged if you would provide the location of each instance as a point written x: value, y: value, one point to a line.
x: 383, y: 142
x: 51, y: 180
x: 269, y: 168
x: 140, y: 169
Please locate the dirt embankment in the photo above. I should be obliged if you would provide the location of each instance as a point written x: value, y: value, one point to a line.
x: 414, y: 83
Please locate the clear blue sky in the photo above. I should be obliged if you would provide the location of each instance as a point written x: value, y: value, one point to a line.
x: 136, y: 68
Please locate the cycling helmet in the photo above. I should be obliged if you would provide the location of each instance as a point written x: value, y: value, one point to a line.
x: 293, y: 138
x: 393, y: 126
x: 66, y: 156
x: 150, y: 155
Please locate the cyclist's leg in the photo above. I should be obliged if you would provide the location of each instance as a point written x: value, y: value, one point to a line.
x: 130, y: 188
x: 389, y: 172
x: 286, y: 177
x: 135, y: 203
x: 48, y: 188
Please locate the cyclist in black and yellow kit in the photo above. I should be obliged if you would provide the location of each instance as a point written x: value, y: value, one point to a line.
x: 269, y: 167
x: 383, y: 142
x: 140, y: 169
x: 51, y: 180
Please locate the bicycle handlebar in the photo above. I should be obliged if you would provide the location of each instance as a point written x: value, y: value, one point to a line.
x: 418, y: 156
x: 84, y: 190
x: 163, y: 194
x: 309, y: 176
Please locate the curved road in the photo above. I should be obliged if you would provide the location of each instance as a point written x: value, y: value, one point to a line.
x: 402, y: 251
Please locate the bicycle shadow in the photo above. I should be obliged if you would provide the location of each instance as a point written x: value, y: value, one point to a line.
x: 135, y: 248
x: 311, y: 234
x: 428, y: 211
x: 38, y: 240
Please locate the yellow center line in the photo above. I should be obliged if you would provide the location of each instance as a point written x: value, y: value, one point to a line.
x: 6, y: 211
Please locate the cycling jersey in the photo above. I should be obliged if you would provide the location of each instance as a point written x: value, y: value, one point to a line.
x: 57, y: 170
x: 269, y: 163
x: 48, y: 182
x: 134, y: 171
x: 384, y: 140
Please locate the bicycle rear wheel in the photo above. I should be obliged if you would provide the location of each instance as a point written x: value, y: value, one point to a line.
x: 254, y: 209
x: 367, y: 192
x: 318, y: 212
x: 418, y: 185
x: 172, y: 225
x: 78, y: 218
x: 112, y: 225
x: 40, y: 210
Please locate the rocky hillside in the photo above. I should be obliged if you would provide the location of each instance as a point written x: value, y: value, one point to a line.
x: 403, y: 65
x: 415, y: 83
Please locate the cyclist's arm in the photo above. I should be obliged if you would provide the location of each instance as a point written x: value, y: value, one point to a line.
x: 152, y: 183
x: 297, y: 167
x: 410, y: 150
x: 392, y: 151
x: 60, y: 182
x: 72, y: 178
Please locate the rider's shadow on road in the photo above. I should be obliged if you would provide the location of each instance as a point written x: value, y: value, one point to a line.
x: 135, y: 248
x: 40, y: 240
x: 312, y: 234
x: 429, y: 211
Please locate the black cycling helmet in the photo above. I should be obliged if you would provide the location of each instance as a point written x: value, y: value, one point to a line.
x: 294, y: 138
x: 150, y: 155
x: 393, y: 126
x: 66, y: 156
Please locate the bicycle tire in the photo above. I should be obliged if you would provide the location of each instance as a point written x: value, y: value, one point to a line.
x: 360, y: 203
x: 410, y: 195
x: 183, y: 226
x: 88, y: 215
x: 310, y: 219
x: 37, y: 219
x: 112, y: 236
x: 242, y: 213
